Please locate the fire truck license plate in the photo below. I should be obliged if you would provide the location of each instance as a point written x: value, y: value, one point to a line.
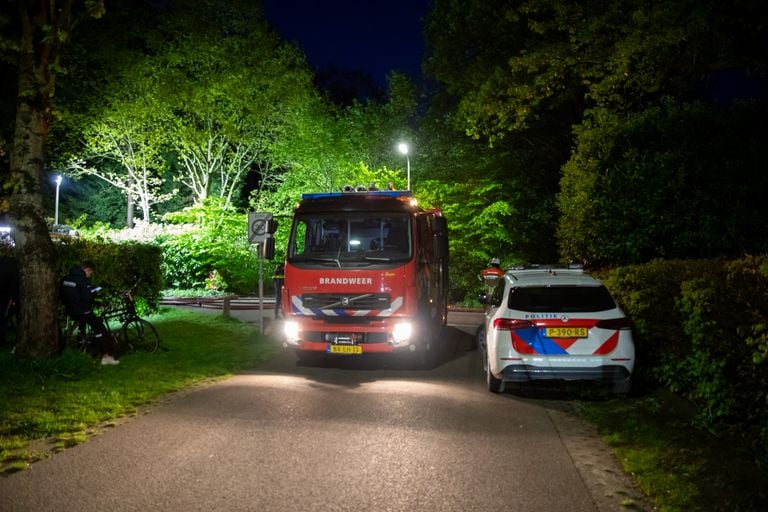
x: 345, y: 349
x: 567, y: 332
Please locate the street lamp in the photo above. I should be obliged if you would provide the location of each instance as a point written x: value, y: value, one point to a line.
x: 56, y: 215
x: 403, y: 147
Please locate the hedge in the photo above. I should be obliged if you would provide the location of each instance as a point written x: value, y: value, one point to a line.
x: 701, y: 330
x: 118, y: 266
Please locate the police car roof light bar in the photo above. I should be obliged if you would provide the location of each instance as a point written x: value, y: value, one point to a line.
x: 550, y: 267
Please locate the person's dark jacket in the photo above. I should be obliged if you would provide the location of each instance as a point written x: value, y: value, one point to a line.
x: 76, y: 292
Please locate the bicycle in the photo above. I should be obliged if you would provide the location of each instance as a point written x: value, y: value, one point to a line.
x: 133, y: 332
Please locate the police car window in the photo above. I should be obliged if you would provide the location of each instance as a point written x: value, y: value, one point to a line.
x: 560, y: 299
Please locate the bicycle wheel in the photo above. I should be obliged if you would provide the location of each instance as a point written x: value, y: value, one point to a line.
x: 73, y: 339
x: 139, y: 334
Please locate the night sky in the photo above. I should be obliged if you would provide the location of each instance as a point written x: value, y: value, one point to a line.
x: 374, y: 36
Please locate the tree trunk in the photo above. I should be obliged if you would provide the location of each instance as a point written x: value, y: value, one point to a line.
x: 38, y: 303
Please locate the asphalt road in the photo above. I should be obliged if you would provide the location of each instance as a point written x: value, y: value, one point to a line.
x: 347, y: 434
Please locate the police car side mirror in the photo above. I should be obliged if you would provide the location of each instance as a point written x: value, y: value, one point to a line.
x: 483, y: 298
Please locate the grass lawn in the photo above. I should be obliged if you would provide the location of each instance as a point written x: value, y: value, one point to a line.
x: 66, y: 398
x: 681, y: 467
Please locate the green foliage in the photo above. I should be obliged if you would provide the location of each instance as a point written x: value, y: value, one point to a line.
x: 518, y: 65
x: 214, y: 102
x: 214, y: 251
x: 362, y: 175
x: 647, y: 294
x: 478, y: 216
x: 250, y: 91
x: 699, y: 331
x: 669, y: 182
x: 118, y: 267
x: 702, y: 371
x: 721, y: 372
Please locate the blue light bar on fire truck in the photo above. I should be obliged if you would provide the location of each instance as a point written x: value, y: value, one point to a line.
x: 389, y: 193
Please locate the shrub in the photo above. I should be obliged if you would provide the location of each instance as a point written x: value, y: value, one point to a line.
x: 700, y: 331
x: 213, y: 251
x: 647, y: 294
x: 118, y: 267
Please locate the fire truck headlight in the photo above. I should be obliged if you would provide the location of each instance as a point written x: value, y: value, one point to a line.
x: 291, y: 331
x: 402, y: 332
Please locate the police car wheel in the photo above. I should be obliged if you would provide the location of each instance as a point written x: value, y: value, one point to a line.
x: 494, y: 384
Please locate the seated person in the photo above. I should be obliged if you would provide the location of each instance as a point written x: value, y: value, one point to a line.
x: 78, y: 296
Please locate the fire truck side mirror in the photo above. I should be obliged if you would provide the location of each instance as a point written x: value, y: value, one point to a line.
x: 269, y: 248
x: 441, y: 247
x: 271, y: 227
x: 440, y: 239
x: 440, y: 226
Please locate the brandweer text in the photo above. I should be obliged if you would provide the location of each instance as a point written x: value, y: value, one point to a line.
x: 346, y: 280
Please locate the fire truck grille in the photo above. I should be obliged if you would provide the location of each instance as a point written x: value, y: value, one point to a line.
x: 361, y: 338
x: 356, y: 301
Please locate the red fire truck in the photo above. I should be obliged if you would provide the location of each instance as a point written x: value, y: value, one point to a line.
x: 365, y: 272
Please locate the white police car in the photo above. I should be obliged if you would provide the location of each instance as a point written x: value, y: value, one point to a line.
x: 555, y: 322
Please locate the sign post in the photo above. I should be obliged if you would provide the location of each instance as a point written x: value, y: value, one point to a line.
x: 258, y: 233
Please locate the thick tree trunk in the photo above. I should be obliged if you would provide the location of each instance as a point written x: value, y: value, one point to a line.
x: 38, y: 304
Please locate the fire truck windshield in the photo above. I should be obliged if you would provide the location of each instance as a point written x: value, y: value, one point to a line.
x: 344, y: 239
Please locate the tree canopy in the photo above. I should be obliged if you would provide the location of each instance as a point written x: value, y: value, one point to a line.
x: 590, y: 91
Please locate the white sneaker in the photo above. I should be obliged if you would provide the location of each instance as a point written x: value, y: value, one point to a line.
x: 108, y: 359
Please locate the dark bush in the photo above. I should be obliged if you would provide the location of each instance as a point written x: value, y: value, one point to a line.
x: 647, y: 293
x: 701, y: 330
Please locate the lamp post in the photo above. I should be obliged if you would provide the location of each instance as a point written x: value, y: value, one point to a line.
x: 56, y: 215
x: 403, y: 148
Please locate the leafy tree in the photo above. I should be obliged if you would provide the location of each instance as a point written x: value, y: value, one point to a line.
x: 673, y: 181
x: 332, y: 146
x: 523, y: 76
x: 517, y: 65
x: 124, y: 147
x: 219, y: 93
x: 475, y: 211
x: 469, y: 46
x: 235, y: 93
x: 36, y: 35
